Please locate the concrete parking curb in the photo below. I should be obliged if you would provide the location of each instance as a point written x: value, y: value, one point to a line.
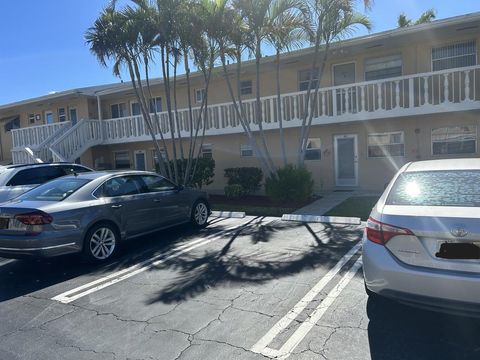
x: 228, y: 214
x: 322, y: 219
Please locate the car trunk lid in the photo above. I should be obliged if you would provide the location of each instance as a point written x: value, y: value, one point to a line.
x: 446, y: 238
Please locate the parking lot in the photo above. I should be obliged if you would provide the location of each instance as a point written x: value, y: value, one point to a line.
x: 251, y: 288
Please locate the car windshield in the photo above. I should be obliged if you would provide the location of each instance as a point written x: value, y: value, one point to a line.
x: 437, y: 188
x: 55, y: 190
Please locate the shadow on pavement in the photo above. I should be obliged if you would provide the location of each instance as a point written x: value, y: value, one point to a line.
x: 22, y: 277
x: 398, y: 331
x: 223, y: 267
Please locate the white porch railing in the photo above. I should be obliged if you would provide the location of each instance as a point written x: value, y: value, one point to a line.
x: 78, y: 139
x: 442, y: 91
x: 427, y: 93
x: 34, y: 135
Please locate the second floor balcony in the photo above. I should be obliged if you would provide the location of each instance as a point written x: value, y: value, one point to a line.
x: 418, y: 94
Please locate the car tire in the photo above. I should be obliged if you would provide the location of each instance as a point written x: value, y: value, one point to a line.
x: 101, y: 243
x: 200, y: 213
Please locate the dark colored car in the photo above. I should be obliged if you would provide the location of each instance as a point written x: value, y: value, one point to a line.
x: 18, y: 179
x: 93, y: 212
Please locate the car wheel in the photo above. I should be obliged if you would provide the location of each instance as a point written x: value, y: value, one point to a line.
x: 101, y: 243
x: 200, y: 213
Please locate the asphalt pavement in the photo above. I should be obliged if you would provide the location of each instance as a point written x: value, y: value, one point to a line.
x: 252, y: 288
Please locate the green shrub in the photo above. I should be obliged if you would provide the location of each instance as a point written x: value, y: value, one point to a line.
x: 204, y: 172
x: 290, y: 184
x: 248, y: 177
x: 234, y: 191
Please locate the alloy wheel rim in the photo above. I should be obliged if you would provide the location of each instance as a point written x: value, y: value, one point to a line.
x: 102, y: 243
x: 201, y: 214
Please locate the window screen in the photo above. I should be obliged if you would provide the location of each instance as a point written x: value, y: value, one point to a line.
x: 454, y: 56
x: 384, y: 67
x: 454, y: 140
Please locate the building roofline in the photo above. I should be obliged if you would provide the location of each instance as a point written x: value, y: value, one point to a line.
x: 108, y: 89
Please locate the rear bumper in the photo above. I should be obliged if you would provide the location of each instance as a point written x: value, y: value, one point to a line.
x: 432, y: 289
x: 46, y: 244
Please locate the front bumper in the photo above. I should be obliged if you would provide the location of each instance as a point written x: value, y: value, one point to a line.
x: 45, y: 244
x: 429, y: 288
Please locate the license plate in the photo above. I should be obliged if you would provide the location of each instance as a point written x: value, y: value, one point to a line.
x: 4, y: 223
x: 460, y: 251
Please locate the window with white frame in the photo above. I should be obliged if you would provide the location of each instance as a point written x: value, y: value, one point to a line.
x: 454, y: 56
x: 454, y: 140
x: 383, y: 67
x: 135, y: 108
x: 62, y: 115
x: 156, y: 105
x: 313, y: 150
x: 31, y: 118
x: 246, y: 150
x: 199, y: 95
x: 386, y: 144
x: 118, y: 110
x: 246, y: 87
x: 304, y: 79
x: 207, y: 151
x: 122, y: 159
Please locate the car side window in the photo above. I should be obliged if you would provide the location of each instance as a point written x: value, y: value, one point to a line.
x: 35, y: 176
x: 120, y: 186
x: 157, y: 183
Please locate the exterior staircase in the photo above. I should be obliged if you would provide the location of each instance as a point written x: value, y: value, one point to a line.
x: 76, y: 140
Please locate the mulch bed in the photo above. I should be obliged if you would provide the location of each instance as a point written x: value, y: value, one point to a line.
x: 258, y: 200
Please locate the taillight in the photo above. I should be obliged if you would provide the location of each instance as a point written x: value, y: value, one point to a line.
x: 381, y: 233
x: 34, y: 218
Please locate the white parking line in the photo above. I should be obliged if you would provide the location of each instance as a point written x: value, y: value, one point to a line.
x: 3, y: 263
x: 96, y: 285
x: 261, y: 347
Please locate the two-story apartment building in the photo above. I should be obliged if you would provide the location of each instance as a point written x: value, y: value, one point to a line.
x: 385, y: 99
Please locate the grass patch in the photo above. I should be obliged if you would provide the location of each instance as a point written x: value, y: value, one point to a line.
x: 254, y: 210
x: 357, y: 206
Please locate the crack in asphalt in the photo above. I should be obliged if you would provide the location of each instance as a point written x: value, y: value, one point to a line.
x: 78, y: 348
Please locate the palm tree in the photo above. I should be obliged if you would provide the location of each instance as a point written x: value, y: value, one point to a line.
x: 425, y: 17
x: 288, y: 27
x: 332, y: 20
x: 115, y: 37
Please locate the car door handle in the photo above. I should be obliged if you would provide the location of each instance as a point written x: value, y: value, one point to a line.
x: 157, y: 200
x: 116, y: 206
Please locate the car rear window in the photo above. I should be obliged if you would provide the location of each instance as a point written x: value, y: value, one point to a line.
x: 437, y: 188
x: 55, y: 190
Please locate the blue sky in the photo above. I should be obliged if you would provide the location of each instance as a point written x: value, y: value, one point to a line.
x: 42, y: 48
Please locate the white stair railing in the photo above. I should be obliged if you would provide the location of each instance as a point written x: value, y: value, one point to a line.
x: 78, y: 139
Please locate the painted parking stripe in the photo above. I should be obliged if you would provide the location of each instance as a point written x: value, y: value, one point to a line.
x: 6, y: 262
x: 99, y: 284
x: 261, y: 347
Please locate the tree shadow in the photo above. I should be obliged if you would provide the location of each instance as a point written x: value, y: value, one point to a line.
x: 398, y: 331
x: 22, y: 277
x: 224, y: 267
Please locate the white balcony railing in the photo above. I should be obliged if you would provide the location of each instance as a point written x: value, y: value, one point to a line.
x: 434, y: 92
x: 34, y: 135
x: 443, y: 91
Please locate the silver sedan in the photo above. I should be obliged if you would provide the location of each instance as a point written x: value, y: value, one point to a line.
x: 94, y: 212
x: 422, y: 241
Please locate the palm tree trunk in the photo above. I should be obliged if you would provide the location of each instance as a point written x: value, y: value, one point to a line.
x: 258, y: 114
x: 279, y: 110
x: 246, y: 127
x: 166, y: 81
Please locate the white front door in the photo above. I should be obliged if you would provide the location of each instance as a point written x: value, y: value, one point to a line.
x: 346, y: 160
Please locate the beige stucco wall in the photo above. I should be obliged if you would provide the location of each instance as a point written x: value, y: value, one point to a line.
x: 85, y: 110
x: 373, y: 173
